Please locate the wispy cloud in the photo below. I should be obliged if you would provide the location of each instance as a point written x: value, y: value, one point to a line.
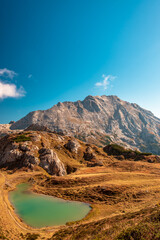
x: 10, y: 90
x: 30, y: 76
x: 7, y: 73
x: 105, y: 82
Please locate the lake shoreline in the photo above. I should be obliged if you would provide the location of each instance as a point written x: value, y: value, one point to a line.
x: 60, y: 201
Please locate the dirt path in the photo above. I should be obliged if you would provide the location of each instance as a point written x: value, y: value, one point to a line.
x: 3, y: 199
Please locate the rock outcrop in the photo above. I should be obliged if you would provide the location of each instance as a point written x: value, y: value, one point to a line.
x: 6, y: 129
x: 27, y: 154
x: 100, y: 120
x: 90, y: 157
x: 51, y: 163
x: 72, y: 146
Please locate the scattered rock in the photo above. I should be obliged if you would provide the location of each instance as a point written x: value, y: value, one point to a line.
x: 89, y: 155
x: 70, y: 169
x: 95, y: 163
x: 25, y: 146
x: 10, y: 156
x: 72, y: 146
x: 11, y: 122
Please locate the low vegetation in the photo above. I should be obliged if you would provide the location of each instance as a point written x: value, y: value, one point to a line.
x: 31, y: 236
x: 148, y: 229
x: 22, y: 138
x: 2, y: 236
x: 142, y: 225
x: 115, y: 149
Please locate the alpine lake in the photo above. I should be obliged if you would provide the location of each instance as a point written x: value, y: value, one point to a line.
x: 38, y: 210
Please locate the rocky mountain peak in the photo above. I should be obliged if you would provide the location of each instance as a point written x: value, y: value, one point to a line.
x: 99, y: 120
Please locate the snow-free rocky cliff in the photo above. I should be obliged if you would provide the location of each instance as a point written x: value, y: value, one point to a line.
x: 40, y: 150
x: 99, y: 120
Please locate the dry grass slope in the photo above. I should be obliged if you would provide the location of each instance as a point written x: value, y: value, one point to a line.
x: 124, y: 194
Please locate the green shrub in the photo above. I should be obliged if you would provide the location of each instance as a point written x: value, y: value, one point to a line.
x: 116, y: 149
x: 22, y: 138
x: 143, y: 153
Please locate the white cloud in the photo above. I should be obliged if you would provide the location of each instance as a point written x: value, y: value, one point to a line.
x: 10, y: 90
x: 105, y: 82
x: 7, y: 73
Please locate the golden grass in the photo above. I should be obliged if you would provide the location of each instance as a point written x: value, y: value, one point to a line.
x: 114, y: 191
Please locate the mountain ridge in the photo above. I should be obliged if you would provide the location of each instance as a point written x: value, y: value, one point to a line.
x: 97, y: 118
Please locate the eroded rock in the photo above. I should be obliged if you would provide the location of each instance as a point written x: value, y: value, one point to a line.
x: 12, y: 155
x: 30, y: 159
x: 50, y: 162
x: 72, y: 146
x: 95, y: 163
x: 89, y: 154
x: 25, y: 146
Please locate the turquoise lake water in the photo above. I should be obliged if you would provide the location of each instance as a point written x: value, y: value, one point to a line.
x: 38, y: 210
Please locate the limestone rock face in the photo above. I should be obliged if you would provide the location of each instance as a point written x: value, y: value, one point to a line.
x: 11, y: 156
x: 100, y: 120
x: 25, y: 154
x: 51, y: 163
x: 17, y: 154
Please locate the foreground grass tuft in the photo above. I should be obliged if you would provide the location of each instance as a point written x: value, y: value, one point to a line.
x: 31, y: 236
x: 149, y: 229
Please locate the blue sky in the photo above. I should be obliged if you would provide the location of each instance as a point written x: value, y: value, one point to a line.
x: 59, y: 50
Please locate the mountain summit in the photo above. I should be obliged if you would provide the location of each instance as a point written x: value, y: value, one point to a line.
x: 100, y: 120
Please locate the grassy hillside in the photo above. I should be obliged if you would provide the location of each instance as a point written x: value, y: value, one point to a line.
x: 124, y: 193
